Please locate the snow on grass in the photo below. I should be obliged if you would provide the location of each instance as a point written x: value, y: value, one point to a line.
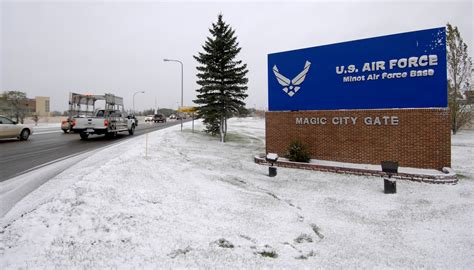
x: 195, y: 202
x: 462, y: 153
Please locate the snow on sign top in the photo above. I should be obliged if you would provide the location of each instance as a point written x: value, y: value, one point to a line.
x: 272, y: 156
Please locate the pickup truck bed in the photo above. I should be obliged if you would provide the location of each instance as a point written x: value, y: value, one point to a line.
x: 106, y: 122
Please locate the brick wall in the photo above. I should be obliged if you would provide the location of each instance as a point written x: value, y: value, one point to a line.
x: 421, y: 138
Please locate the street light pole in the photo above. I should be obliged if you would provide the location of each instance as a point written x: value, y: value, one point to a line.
x: 134, y: 99
x: 172, y: 60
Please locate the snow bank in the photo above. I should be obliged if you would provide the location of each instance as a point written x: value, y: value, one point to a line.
x: 15, y: 189
x: 195, y: 202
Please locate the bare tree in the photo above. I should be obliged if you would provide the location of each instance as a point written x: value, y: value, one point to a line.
x: 459, y: 72
x: 16, y: 101
x: 35, y: 119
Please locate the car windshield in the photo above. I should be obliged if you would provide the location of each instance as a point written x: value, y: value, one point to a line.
x: 4, y: 120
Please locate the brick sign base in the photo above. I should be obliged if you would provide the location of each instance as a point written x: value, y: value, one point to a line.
x: 418, y: 138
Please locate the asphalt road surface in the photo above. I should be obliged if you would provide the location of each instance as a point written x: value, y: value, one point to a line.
x: 44, y: 146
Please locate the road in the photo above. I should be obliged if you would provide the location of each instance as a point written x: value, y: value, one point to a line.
x: 48, y: 145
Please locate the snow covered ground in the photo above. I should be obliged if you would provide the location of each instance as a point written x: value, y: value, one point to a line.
x: 194, y: 202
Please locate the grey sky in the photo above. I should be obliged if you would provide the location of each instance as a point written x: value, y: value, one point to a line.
x: 53, y: 48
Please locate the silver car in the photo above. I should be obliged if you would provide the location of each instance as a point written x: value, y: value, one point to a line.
x: 10, y: 129
x: 149, y: 118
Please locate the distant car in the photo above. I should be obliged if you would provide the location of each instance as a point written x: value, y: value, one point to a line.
x: 181, y: 116
x: 159, y: 117
x: 131, y: 116
x: 67, y: 125
x: 149, y: 118
x: 10, y: 129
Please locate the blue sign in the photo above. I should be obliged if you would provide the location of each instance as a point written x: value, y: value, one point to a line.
x: 405, y: 70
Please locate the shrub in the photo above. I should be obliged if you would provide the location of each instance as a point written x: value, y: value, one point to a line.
x: 297, y: 152
x: 223, y: 243
x: 271, y: 254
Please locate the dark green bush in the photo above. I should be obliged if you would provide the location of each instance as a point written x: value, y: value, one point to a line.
x: 297, y: 152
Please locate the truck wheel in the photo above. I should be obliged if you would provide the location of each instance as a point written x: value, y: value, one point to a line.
x: 84, y: 135
x: 132, y: 130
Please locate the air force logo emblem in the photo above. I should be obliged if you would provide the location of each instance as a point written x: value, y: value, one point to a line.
x: 291, y: 87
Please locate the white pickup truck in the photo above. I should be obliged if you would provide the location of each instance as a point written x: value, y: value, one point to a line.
x: 107, y: 122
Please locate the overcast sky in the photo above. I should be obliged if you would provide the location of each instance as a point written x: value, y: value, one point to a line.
x: 53, y: 48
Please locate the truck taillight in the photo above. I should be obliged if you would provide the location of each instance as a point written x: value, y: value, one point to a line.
x: 106, y: 122
x: 73, y: 123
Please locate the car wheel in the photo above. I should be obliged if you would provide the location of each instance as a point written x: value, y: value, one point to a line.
x: 84, y: 135
x: 24, y: 135
x: 132, y: 130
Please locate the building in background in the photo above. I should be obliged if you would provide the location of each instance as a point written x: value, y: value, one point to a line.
x: 28, y: 107
x: 42, y: 106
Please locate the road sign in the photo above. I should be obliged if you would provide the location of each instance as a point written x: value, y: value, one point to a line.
x: 406, y: 70
x: 187, y: 109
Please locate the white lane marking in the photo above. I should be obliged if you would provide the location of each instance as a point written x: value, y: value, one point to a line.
x: 47, y: 132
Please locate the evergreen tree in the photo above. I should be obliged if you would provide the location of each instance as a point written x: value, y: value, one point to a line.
x: 222, y: 79
x: 459, y: 71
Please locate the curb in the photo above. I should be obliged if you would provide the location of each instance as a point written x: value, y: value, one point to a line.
x: 449, y: 176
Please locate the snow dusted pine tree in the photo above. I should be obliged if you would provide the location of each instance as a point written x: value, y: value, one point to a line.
x: 222, y: 79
